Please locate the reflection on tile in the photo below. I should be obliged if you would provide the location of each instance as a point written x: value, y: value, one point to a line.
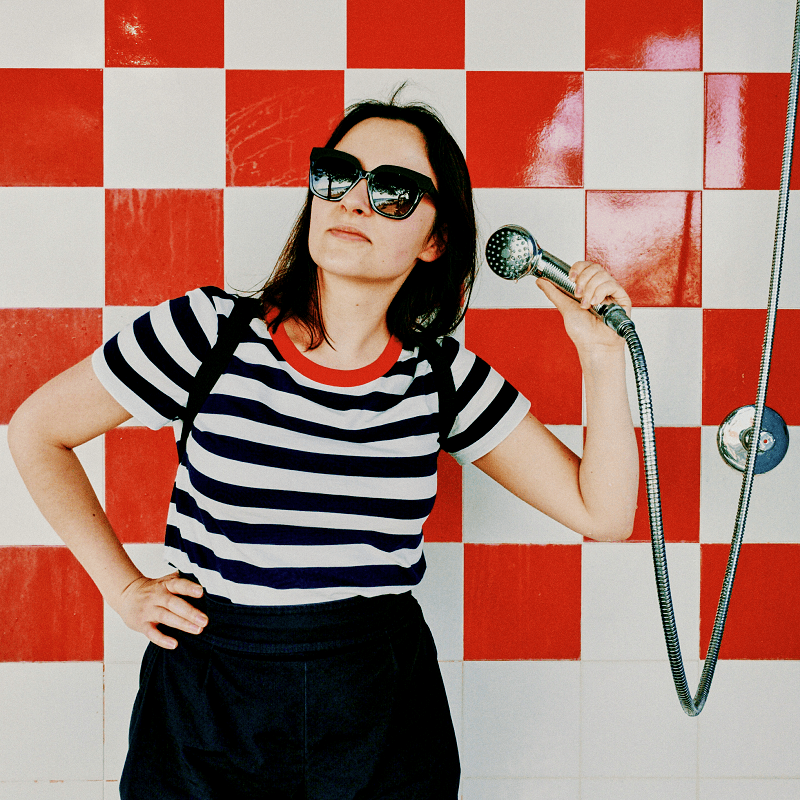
x: 542, y: 146
x: 745, y: 121
x: 149, y: 33
x: 649, y: 241
x: 644, y: 34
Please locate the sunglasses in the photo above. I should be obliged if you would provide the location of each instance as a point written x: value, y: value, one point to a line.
x: 394, y: 192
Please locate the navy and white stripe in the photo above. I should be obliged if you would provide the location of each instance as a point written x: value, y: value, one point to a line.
x: 292, y: 490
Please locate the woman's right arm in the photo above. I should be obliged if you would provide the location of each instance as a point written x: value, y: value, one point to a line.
x: 67, y: 411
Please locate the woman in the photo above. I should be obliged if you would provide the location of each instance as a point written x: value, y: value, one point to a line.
x: 287, y: 657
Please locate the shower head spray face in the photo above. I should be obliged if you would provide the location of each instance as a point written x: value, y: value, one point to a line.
x: 512, y: 253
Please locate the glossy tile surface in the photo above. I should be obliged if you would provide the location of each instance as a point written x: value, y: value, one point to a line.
x: 148, y: 33
x: 745, y: 122
x: 650, y: 242
x: 644, y: 34
x: 525, y: 128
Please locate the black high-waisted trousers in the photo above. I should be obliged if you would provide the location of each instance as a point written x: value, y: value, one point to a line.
x: 330, y: 701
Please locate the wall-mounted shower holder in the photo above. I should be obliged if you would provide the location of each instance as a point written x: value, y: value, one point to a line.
x: 736, y: 432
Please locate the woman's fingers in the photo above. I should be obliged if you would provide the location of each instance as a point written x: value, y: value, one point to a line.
x: 147, y: 603
x: 593, y: 285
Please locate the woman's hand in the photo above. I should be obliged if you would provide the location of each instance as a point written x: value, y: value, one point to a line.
x: 148, y: 602
x: 593, y: 286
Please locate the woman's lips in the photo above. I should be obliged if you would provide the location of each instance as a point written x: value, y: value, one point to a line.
x: 349, y: 234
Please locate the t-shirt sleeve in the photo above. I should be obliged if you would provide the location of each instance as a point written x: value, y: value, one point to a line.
x: 148, y: 367
x: 488, y: 407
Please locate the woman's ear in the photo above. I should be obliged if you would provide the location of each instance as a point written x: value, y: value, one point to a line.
x: 436, y: 245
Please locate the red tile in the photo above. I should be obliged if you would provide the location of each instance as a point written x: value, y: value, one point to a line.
x: 51, y: 127
x: 644, y: 34
x: 444, y: 523
x: 678, y: 451
x: 732, y: 343
x: 525, y: 128
x: 140, y: 472
x: 162, y: 242
x: 745, y: 122
x: 38, y: 343
x: 151, y: 33
x: 530, y: 349
x: 522, y: 602
x: 51, y: 609
x: 765, y: 602
x: 428, y: 34
x: 274, y: 118
x: 649, y: 241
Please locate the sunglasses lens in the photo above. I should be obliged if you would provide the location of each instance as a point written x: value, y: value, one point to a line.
x: 393, y: 195
x: 331, y: 177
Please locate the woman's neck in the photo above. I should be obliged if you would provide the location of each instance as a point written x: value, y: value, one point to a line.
x: 355, y: 322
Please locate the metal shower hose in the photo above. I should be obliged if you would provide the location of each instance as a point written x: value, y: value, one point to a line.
x: 693, y: 706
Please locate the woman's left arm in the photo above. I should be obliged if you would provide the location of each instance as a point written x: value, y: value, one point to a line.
x: 594, y: 495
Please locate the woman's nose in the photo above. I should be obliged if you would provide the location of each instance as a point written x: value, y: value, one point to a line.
x: 357, y: 199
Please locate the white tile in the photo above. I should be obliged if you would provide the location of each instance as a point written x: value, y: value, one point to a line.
x: 747, y: 36
x: 273, y: 34
x: 441, y: 596
x: 521, y: 789
x: 738, y: 239
x: 537, y: 35
x: 55, y: 34
x: 115, y: 318
x: 164, y: 128
x: 258, y: 220
x: 774, y: 505
x: 639, y: 789
x: 121, y: 686
x: 632, y: 725
x: 747, y: 789
x: 492, y: 515
x: 453, y: 678
x: 57, y: 714
x: 672, y: 341
x: 643, y: 130
x: 620, y: 617
x: 554, y: 217
x: 23, y: 523
x: 443, y: 89
x: 111, y: 790
x: 52, y: 247
x: 121, y: 644
x: 52, y: 790
x: 521, y: 719
x: 750, y: 726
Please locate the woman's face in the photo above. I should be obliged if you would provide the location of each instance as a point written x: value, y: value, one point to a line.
x: 350, y: 240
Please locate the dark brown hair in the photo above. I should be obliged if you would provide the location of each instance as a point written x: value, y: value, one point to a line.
x: 433, y: 299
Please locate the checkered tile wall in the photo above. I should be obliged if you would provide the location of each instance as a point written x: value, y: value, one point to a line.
x: 147, y: 148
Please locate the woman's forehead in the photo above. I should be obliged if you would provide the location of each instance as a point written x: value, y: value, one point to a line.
x: 376, y: 141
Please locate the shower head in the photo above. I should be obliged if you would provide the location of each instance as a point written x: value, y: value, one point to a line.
x: 512, y: 253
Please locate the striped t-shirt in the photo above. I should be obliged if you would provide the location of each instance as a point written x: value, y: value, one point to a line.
x: 300, y: 484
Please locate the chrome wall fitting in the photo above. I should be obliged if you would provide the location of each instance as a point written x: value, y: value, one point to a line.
x: 736, y: 432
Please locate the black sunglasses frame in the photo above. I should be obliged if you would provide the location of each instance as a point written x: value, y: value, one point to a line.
x: 423, y: 183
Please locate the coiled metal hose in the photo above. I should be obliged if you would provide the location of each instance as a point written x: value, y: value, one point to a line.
x: 694, y: 705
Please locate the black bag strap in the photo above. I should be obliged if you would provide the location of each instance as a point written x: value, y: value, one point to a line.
x: 231, y: 331
x: 441, y: 366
